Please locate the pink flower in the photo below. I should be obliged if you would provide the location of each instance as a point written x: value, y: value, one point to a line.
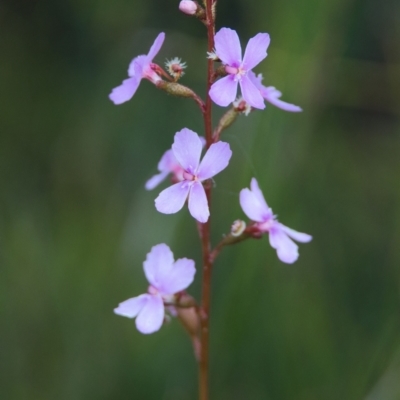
x: 139, y: 68
x: 187, y: 150
x: 168, y: 165
x: 280, y: 236
x: 166, y: 277
x: 228, y: 49
x: 271, y: 95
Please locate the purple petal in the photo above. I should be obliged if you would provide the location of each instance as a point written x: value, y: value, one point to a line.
x: 172, y: 199
x: 286, y: 249
x: 187, y: 149
x: 155, y: 48
x: 272, y: 96
x: 259, y: 194
x: 137, y: 65
x: 251, y: 94
x: 151, y: 317
x: 256, y: 50
x: 256, y: 79
x: 252, y: 207
x: 180, y: 276
x: 168, y: 162
x: 155, y: 180
x: 124, y: 92
x: 198, y: 204
x: 223, y: 92
x: 130, y: 308
x: 298, y: 236
x: 158, y: 264
x: 227, y: 47
x: 215, y: 160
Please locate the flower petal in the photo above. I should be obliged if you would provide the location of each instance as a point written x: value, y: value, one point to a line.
x: 298, y: 236
x: 187, y: 149
x: 252, y: 207
x: 158, y: 264
x: 168, y: 161
x: 256, y: 50
x: 251, y: 94
x: 130, y: 308
x: 215, y: 160
x: 227, y: 47
x: 259, y: 194
x: 272, y: 96
x: 151, y: 317
x: 155, y: 180
x: 223, y: 92
x: 155, y: 48
x: 286, y: 249
x: 172, y: 199
x: 180, y: 276
x: 137, y: 65
x: 198, y: 204
x: 124, y: 92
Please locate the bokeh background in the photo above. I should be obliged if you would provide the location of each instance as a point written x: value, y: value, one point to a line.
x: 76, y: 222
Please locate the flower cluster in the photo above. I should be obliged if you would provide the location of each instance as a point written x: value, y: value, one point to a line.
x: 191, y: 174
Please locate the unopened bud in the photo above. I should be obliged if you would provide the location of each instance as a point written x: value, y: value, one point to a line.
x: 179, y: 90
x: 188, y: 7
x: 238, y: 227
x: 190, y: 320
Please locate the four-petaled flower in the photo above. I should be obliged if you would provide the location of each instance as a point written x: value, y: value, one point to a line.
x: 168, y: 165
x: 139, y: 68
x: 187, y: 150
x: 166, y: 278
x: 280, y: 236
x: 228, y: 49
x: 271, y: 94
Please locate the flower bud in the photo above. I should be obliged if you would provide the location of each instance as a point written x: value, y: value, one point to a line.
x: 238, y: 227
x: 188, y: 7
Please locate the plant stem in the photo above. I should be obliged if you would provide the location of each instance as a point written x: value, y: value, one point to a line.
x: 205, y: 228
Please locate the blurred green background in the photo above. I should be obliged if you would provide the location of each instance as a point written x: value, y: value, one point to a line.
x: 76, y: 222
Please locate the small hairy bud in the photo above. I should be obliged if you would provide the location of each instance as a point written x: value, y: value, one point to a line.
x: 188, y: 7
x: 238, y: 227
x: 241, y: 106
x: 175, y: 67
x: 175, y: 89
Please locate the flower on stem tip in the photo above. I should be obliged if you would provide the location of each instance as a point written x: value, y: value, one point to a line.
x: 168, y: 165
x: 166, y: 277
x: 187, y: 150
x: 280, y: 236
x: 228, y: 49
x: 271, y: 94
x: 139, y: 68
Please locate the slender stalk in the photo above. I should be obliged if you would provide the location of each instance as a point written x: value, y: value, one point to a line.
x: 205, y: 228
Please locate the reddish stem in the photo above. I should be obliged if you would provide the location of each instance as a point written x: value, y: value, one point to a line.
x: 205, y: 228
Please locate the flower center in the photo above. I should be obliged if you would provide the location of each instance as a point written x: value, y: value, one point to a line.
x: 187, y: 176
x: 238, y: 72
x: 265, y: 226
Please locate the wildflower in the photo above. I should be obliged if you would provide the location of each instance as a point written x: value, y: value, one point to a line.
x: 188, y: 7
x: 139, y: 68
x: 166, y: 277
x: 272, y: 95
x: 187, y: 150
x: 168, y: 165
x: 228, y: 49
x: 280, y: 236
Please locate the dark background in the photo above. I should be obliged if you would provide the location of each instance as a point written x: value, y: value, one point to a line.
x: 76, y: 222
